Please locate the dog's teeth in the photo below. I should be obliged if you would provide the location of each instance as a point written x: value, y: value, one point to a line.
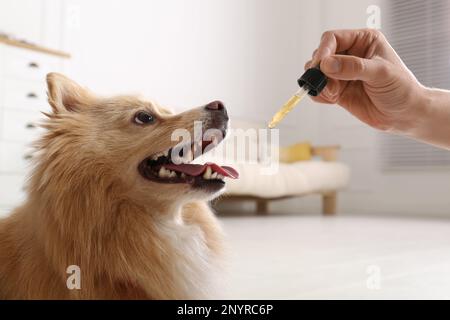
x: 172, y: 174
x: 214, y: 175
x: 183, y: 175
x: 207, y: 174
x: 165, y: 173
x: 220, y: 177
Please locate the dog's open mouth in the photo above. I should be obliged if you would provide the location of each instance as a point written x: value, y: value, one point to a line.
x: 160, y: 168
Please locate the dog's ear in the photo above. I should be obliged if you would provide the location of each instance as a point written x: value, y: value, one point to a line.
x: 66, y: 95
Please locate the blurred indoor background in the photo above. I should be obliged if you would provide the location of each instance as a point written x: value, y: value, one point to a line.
x: 249, y: 54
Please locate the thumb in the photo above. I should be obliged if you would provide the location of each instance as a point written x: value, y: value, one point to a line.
x: 343, y: 67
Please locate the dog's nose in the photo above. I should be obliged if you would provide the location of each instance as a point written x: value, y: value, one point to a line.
x: 215, y: 105
x: 218, y: 109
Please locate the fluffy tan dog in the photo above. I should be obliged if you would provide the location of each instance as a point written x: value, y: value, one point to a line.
x: 106, y: 196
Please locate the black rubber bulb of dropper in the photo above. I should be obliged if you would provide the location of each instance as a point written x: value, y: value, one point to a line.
x: 313, y: 80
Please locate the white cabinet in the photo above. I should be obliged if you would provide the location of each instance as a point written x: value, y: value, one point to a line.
x: 22, y: 98
x: 26, y: 64
x: 12, y: 189
x: 22, y: 86
x: 20, y: 126
x: 26, y: 95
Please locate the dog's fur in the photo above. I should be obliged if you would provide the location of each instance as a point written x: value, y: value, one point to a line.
x: 88, y: 206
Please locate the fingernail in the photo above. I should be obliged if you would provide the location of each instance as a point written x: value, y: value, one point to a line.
x: 331, y: 65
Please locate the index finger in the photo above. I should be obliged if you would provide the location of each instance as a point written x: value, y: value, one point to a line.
x: 334, y: 41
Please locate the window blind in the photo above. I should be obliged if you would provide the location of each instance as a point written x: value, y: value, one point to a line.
x: 420, y: 33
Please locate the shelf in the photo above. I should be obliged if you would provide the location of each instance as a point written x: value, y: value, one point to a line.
x: 34, y: 47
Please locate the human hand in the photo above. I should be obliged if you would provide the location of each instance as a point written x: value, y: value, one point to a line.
x: 369, y: 79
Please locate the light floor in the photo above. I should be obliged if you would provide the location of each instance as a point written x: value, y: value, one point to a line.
x: 338, y: 258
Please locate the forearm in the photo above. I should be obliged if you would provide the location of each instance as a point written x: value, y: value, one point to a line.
x: 432, y: 124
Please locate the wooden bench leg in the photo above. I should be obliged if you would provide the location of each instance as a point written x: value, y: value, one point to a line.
x: 262, y: 206
x: 329, y: 203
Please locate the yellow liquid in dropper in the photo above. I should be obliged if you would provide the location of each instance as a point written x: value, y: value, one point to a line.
x: 288, y: 106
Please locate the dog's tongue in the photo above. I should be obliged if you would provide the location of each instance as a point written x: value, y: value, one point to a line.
x: 197, y: 169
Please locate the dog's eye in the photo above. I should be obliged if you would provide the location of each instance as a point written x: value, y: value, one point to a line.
x: 143, y: 118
